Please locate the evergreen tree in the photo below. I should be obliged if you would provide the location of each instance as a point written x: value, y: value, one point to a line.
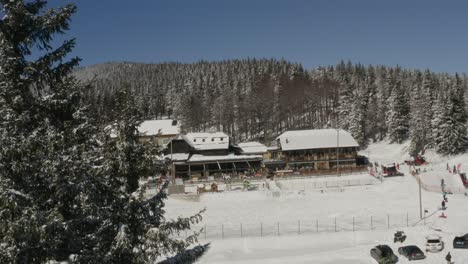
x: 451, y: 134
x: 131, y: 161
x: 397, y: 116
x: 418, y: 139
x: 59, y: 201
x: 440, y: 120
x: 345, y: 102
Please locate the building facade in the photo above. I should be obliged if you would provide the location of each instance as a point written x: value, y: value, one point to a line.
x: 309, y: 151
x: 208, y: 156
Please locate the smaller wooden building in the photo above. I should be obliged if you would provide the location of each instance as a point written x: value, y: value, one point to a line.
x: 159, y: 131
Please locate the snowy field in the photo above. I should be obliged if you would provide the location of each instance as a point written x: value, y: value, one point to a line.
x: 255, y: 227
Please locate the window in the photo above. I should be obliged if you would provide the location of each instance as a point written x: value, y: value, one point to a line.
x: 222, y: 139
x: 212, y: 139
x: 194, y: 140
x: 203, y: 140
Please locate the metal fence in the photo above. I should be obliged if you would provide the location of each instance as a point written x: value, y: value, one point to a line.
x: 318, y: 225
x: 337, y: 184
x: 434, y: 188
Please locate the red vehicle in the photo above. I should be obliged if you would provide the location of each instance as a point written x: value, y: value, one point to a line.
x: 418, y: 161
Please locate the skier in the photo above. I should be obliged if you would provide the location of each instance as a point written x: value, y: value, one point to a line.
x: 443, y: 205
x: 448, y: 258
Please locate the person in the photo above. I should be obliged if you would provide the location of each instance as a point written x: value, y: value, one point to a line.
x: 398, y: 166
x: 443, y: 205
x: 454, y: 169
x: 448, y: 258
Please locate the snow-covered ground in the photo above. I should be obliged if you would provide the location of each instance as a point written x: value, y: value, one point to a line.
x: 284, y: 229
x: 431, y: 173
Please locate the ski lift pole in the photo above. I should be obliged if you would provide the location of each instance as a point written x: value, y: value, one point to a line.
x: 420, y: 198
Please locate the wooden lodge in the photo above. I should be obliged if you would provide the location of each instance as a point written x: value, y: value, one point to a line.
x: 313, y: 151
x: 159, y: 132
x: 198, y: 156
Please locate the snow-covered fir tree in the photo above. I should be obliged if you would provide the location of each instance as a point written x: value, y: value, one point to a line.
x: 59, y: 201
x: 451, y: 133
x: 397, y: 116
x: 211, y: 95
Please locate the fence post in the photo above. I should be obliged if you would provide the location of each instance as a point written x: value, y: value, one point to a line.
x: 407, y: 219
x: 299, y: 227
x: 261, y: 230
x: 241, y: 230
x: 371, y: 225
x: 278, y: 228
x: 205, y: 231
x: 222, y: 231
x: 335, y: 224
x: 388, y: 221
x: 316, y: 222
x: 353, y: 223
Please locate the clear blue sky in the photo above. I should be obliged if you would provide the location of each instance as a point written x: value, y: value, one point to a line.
x: 412, y: 33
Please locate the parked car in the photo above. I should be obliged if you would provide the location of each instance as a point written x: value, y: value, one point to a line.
x: 411, y: 252
x: 461, y: 241
x: 434, y: 243
x: 383, y: 254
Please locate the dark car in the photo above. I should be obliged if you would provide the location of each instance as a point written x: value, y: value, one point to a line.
x: 460, y: 242
x: 383, y: 254
x: 411, y: 252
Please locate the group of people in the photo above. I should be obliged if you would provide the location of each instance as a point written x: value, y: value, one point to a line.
x: 448, y: 257
x: 454, y: 170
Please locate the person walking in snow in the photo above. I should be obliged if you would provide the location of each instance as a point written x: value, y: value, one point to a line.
x: 448, y: 258
x: 454, y: 169
x: 443, y: 205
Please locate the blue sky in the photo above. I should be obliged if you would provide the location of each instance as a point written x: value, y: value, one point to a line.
x: 414, y: 34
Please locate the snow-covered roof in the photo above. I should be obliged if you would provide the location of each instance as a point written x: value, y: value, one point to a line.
x: 161, y: 127
x: 229, y: 157
x: 316, y: 139
x: 177, y: 156
x: 252, y: 147
x: 207, y: 141
x: 272, y: 148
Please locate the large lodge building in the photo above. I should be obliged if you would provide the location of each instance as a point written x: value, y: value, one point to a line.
x: 197, y: 156
x: 313, y: 151
x: 206, y: 155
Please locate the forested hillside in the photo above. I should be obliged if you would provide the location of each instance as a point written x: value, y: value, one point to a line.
x: 258, y: 99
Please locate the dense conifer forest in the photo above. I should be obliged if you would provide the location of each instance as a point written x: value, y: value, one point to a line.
x: 257, y: 99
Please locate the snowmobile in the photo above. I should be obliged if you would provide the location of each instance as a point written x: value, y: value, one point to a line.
x: 399, y: 237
